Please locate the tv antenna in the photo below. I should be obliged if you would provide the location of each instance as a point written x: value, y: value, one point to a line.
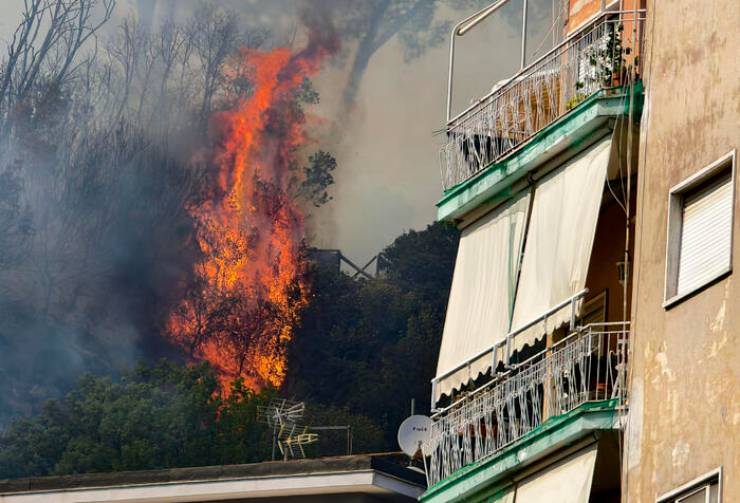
x: 287, y: 436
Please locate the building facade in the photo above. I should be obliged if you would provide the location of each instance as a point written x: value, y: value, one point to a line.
x: 684, y: 399
x: 592, y: 293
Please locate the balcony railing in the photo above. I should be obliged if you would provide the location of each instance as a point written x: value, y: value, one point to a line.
x: 603, y: 55
x: 590, y: 365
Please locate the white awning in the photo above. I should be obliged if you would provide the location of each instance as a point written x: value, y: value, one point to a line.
x: 482, y: 292
x: 561, y: 232
x: 568, y: 481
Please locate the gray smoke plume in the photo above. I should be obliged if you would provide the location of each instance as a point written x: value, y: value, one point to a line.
x: 103, y: 119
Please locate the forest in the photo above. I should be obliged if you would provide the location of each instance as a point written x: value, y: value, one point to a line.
x: 364, y: 350
x: 122, y: 208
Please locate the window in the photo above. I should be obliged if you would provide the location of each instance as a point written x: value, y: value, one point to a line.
x: 705, y: 489
x: 700, y: 219
x: 594, y: 310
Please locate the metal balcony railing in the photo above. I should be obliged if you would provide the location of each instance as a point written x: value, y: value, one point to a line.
x: 602, y: 55
x: 589, y: 365
x: 504, y: 346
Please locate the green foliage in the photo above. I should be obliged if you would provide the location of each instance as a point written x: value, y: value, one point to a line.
x: 575, y: 100
x: 365, y: 349
x: 159, y: 417
x: 367, y: 436
x: 317, y: 178
x: 370, y: 346
x: 307, y: 93
x: 606, y: 58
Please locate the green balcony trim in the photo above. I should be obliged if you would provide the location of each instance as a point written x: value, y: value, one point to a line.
x: 491, y: 477
x: 571, y: 131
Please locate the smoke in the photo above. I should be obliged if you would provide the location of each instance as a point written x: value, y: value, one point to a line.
x: 388, y: 179
x: 382, y: 99
x: 100, y: 161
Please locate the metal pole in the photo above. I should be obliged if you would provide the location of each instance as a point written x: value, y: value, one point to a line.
x: 449, y: 73
x: 274, y: 440
x: 508, y: 350
x: 460, y: 29
x: 524, y: 32
x: 572, y: 314
x: 434, y: 389
x: 552, y: 5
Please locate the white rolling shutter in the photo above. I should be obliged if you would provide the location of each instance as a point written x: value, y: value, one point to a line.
x: 706, y: 234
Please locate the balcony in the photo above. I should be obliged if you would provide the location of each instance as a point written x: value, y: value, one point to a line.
x: 586, y: 368
x: 601, y: 58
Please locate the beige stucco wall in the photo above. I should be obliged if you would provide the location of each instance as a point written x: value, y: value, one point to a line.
x: 685, y: 387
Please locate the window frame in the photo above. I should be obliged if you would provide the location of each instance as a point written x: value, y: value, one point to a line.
x: 676, y: 197
x: 686, y: 489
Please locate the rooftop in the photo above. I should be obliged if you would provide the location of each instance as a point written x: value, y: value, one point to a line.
x: 380, y: 475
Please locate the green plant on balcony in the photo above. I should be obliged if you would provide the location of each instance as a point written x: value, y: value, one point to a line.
x: 576, y: 99
x: 606, y: 58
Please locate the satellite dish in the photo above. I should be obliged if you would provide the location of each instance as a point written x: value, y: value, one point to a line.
x: 414, y: 433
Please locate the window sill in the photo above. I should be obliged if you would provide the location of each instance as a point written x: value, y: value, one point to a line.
x: 677, y: 299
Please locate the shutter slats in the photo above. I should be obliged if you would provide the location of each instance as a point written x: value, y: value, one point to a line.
x: 706, y: 235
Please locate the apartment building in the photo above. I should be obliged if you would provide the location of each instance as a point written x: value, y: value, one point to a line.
x: 592, y: 296
x: 683, y: 438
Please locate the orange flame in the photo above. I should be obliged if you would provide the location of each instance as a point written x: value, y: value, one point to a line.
x: 249, y: 290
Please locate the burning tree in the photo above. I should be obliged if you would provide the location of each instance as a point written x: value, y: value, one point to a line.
x: 111, y: 216
x: 249, y: 288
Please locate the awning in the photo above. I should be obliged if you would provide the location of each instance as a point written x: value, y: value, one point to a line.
x: 560, y: 236
x: 569, y: 481
x: 482, y: 292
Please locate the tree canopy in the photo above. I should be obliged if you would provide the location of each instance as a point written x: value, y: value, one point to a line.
x: 366, y: 347
x: 372, y: 345
x: 101, y: 157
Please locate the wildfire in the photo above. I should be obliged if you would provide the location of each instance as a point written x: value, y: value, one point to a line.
x: 249, y: 291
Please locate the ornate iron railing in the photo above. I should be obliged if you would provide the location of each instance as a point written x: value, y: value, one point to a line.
x: 588, y: 365
x: 603, y: 55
